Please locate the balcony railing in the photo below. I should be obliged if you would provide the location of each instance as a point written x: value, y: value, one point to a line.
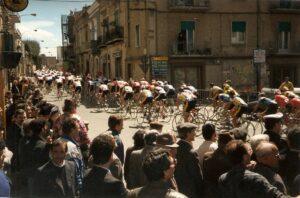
x: 114, y: 35
x: 189, y: 4
x: 285, y: 6
x: 94, y: 45
x: 182, y: 49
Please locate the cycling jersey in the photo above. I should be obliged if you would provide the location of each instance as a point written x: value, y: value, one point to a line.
x: 160, y: 90
x: 224, y: 97
x: 295, y: 102
x: 77, y: 84
x: 103, y: 87
x: 128, y: 89
x: 281, y: 100
x: 237, y: 101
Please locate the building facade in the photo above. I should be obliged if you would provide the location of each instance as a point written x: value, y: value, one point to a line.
x: 192, y: 41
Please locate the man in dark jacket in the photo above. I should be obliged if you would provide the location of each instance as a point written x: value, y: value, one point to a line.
x: 99, y: 182
x: 188, y: 173
x: 36, y: 151
x: 291, y: 164
x: 14, y: 134
x: 215, y: 164
x: 56, y: 178
x: 267, y: 156
x: 115, y: 124
x: 241, y: 183
x: 158, y: 167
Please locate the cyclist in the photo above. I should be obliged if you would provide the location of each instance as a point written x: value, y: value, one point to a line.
x: 239, y: 107
x: 59, y: 84
x: 287, y: 84
x: 169, y: 89
x: 126, y: 94
x: 77, y: 86
x: 281, y: 100
x: 266, y: 105
x: 214, y: 93
x: 146, y: 97
x: 295, y: 104
x: 189, y: 100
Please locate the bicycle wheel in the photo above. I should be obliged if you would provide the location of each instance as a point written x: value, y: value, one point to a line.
x: 259, y: 127
x: 249, y: 126
x: 140, y: 115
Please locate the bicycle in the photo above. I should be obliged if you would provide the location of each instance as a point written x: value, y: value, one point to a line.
x: 102, y: 102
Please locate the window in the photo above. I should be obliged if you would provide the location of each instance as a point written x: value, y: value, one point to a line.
x: 238, y: 32
x: 186, y: 37
x: 137, y: 36
x: 284, y: 29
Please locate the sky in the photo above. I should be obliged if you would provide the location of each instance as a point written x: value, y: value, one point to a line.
x: 45, y: 27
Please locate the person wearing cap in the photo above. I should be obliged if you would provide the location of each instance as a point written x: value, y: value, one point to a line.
x: 274, y: 129
x: 156, y: 126
x: 137, y: 178
x: 215, y: 163
x: 168, y: 141
x: 210, y: 137
x: 267, y: 156
x: 286, y: 84
x: 240, y: 182
x: 214, y: 92
x: 158, y: 167
x: 188, y: 173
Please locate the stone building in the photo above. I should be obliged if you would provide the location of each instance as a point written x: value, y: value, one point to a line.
x: 195, y: 41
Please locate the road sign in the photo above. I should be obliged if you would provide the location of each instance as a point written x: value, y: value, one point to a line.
x: 259, y: 56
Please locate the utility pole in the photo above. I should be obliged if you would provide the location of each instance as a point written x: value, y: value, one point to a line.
x: 257, y: 65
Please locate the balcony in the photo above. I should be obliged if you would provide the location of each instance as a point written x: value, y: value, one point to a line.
x: 116, y: 34
x: 293, y: 49
x: 181, y: 49
x: 192, y: 5
x: 95, y: 46
x: 285, y: 6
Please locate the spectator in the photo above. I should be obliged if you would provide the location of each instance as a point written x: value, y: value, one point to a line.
x: 4, y: 182
x: 267, y: 156
x: 137, y: 177
x: 255, y: 141
x: 168, y: 141
x: 36, y: 151
x: 241, y: 183
x: 290, y: 167
x: 159, y: 168
x: 14, y: 134
x: 286, y: 85
x: 15, y: 88
x: 56, y: 178
x: 98, y: 181
x: 115, y: 124
x: 216, y: 163
x: 188, y: 173
x: 210, y: 137
x: 273, y: 130
x: 138, y: 143
x: 70, y: 129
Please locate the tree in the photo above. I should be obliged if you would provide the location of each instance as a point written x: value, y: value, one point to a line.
x: 33, y: 48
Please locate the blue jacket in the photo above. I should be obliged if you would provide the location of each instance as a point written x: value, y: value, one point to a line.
x: 4, y: 185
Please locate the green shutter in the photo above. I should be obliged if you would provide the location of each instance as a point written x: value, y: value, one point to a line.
x: 238, y: 26
x: 187, y: 25
x: 284, y: 27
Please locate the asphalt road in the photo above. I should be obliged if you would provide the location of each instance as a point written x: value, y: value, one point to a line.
x: 98, y: 121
